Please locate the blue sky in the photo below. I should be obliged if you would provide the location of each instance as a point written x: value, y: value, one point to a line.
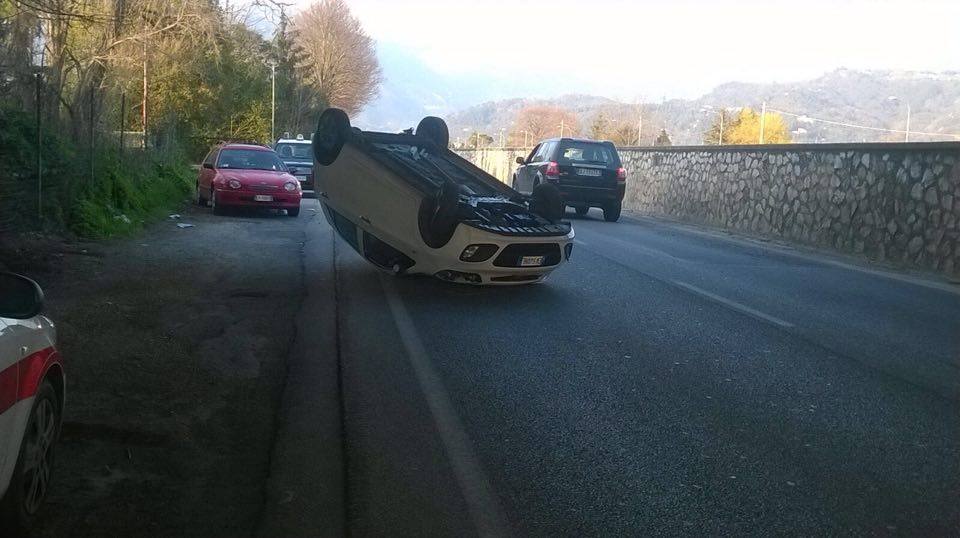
x: 678, y: 48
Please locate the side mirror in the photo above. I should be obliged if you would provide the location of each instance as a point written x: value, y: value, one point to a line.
x: 208, y: 165
x: 521, y: 161
x: 20, y: 297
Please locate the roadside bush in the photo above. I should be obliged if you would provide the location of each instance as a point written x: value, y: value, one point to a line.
x: 120, y: 197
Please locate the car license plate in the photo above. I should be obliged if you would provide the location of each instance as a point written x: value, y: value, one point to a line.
x: 588, y: 172
x: 302, y: 178
x: 262, y: 198
x: 531, y: 261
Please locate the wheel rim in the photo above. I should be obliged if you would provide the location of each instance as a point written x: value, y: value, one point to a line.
x: 37, y: 455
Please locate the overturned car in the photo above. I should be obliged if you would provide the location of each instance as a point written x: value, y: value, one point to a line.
x: 408, y: 204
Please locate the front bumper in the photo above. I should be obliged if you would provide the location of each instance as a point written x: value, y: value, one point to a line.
x: 503, y: 266
x: 246, y: 198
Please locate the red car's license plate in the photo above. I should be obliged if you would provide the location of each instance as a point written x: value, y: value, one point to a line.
x: 262, y: 198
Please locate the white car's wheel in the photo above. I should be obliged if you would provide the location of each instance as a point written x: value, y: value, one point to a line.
x: 31, y: 476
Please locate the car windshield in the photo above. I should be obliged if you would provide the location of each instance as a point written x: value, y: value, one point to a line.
x: 295, y: 151
x: 249, y: 159
x: 587, y: 153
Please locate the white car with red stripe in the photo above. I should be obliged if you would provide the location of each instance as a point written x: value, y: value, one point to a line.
x: 32, y: 392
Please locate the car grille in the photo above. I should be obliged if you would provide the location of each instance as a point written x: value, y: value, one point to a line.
x: 511, y: 255
x: 264, y: 188
x: 530, y: 231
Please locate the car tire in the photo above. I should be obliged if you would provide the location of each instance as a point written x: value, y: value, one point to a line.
x: 611, y: 212
x: 582, y: 210
x: 22, y: 502
x: 333, y: 131
x: 293, y: 212
x: 545, y: 200
x: 201, y: 201
x: 217, y: 208
x: 435, y: 130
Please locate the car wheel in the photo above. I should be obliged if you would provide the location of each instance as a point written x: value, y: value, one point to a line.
x: 435, y: 130
x: 333, y: 131
x: 217, y: 208
x: 31, y: 477
x: 582, y: 210
x: 293, y: 212
x: 546, y: 202
x: 611, y: 212
x: 201, y: 201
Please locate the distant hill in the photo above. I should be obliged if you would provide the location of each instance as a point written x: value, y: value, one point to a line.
x: 841, y: 96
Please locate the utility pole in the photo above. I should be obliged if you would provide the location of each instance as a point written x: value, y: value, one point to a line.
x: 501, y: 137
x: 639, y: 127
x: 123, y: 113
x: 143, y: 102
x: 907, y: 137
x: 720, y: 142
x: 273, y: 100
x: 39, y: 76
x: 763, y: 117
x: 92, y: 113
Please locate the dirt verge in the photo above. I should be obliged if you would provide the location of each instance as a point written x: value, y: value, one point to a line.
x: 175, y: 344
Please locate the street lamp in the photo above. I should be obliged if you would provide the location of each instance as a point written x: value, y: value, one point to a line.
x: 501, y: 136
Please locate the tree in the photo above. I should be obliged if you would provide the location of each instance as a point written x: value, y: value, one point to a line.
x: 663, y: 139
x: 719, y: 131
x: 339, y: 60
x: 600, y: 129
x: 624, y: 136
x: 478, y: 140
x: 541, y: 122
x: 745, y: 129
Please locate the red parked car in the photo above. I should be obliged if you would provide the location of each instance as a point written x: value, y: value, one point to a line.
x: 247, y: 175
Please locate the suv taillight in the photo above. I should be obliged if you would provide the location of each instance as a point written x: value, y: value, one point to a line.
x: 621, y: 174
x: 553, y: 170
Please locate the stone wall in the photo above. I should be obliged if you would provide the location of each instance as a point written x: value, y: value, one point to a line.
x: 897, y: 203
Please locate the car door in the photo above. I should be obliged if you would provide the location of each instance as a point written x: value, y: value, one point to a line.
x: 206, y: 174
x: 535, y: 169
x: 9, y: 377
x: 524, y: 169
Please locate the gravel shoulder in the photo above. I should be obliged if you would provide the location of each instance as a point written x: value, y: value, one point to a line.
x: 176, y: 344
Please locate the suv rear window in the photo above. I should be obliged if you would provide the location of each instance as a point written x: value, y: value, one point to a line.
x: 295, y: 151
x: 588, y: 153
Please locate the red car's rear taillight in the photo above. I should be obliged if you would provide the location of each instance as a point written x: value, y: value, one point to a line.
x: 621, y: 174
x: 553, y: 170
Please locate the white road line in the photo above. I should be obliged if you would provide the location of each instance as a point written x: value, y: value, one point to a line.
x: 734, y: 305
x: 485, y: 510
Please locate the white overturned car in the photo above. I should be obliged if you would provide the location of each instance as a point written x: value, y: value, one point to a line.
x: 408, y: 204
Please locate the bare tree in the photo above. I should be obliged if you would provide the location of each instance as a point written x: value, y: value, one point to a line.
x: 535, y: 123
x: 339, y: 60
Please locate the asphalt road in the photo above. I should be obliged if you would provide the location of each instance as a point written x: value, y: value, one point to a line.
x: 666, y: 382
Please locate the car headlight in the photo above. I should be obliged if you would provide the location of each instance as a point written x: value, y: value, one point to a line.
x: 290, y: 186
x: 234, y: 184
x: 478, y: 253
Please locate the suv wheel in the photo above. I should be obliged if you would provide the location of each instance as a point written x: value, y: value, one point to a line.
x: 611, y: 212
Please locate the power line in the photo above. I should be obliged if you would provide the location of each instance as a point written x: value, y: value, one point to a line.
x: 867, y: 127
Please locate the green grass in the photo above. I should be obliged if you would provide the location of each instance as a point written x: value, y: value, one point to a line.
x: 122, y: 199
x: 118, y: 198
